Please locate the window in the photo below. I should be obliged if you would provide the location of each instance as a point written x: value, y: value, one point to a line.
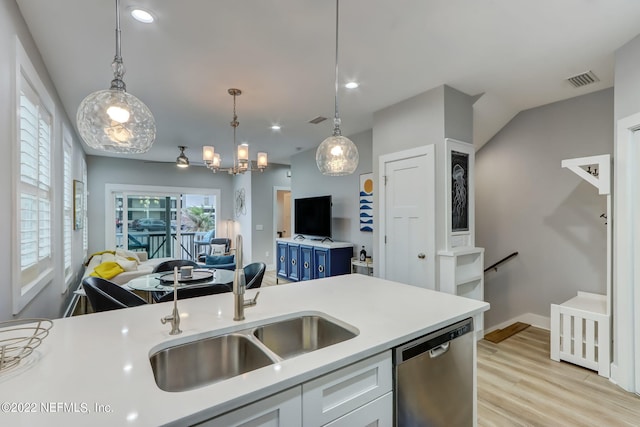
x: 164, y: 221
x: 85, y: 229
x: 67, y: 204
x: 33, y: 208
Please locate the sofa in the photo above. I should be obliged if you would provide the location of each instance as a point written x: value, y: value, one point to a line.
x: 120, y: 266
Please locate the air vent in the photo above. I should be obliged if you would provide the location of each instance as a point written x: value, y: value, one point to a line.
x: 583, y: 79
x: 317, y: 120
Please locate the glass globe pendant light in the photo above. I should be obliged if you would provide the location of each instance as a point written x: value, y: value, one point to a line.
x: 112, y: 119
x: 337, y: 155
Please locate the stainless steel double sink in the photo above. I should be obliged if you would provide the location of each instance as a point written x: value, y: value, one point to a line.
x: 205, y: 361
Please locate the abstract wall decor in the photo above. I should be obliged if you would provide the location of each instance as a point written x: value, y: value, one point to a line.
x: 459, y: 191
x: 366, y: 202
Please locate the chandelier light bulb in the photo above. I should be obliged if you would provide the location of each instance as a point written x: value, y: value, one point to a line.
x: 215, y: 163
x: 207, y: 154
x: 243, y: 153
x: 262, y: 160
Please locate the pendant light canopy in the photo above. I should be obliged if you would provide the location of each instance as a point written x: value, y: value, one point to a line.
x: 113, y: 119
x: 337, y: 155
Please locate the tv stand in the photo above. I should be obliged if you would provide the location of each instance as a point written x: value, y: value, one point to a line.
x: 325, y: 239
x: 312, y: 259
x: 299, y: 237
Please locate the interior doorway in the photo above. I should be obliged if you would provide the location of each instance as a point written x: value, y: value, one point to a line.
x: 407, y: 224
x: 282, y: 225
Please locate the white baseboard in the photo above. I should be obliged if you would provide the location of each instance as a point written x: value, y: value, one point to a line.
x: 536, y: 320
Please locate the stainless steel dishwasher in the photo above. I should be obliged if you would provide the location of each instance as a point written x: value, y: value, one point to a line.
x: 433, y: 378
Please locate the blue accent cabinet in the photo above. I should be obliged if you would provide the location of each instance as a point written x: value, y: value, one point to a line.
x: 308, y: 259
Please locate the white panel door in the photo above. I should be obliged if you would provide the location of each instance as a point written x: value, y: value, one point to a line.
x: 410, y: 219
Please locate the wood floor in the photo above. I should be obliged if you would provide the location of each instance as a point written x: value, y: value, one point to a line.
x: 518, y: 385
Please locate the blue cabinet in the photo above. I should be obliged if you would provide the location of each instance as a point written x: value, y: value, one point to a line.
x: 293, y: 269
x: 306, y: 262
x: 307, y: 259
x: 331, y: 262
x: 281, y: 260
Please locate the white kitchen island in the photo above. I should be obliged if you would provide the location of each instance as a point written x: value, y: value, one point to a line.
x: 94, y: 369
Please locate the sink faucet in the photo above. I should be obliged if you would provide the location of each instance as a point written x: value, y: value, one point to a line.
x: 239, y: 285
x: 174, y: 317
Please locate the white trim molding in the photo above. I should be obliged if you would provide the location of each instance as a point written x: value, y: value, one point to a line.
x: 626, y: 259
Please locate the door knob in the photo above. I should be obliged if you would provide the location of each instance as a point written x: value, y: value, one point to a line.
x: 421, y: 255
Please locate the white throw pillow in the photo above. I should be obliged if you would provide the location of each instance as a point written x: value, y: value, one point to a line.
x: 218, y: 249
x: 127, y: 264
x: 128, y: 254
x: 107, y: 257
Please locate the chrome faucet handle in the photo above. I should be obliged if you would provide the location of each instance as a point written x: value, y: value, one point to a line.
x: 174, y: 318
x: 253, y: 301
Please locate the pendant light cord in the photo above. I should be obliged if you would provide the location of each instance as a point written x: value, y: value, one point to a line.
x: 336, y: 119
x: 117, y: 65
x: 234, y: 124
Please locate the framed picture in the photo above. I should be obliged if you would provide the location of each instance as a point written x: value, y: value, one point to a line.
x: 459, y: 179
x: 78, y: 205
x: 459, y: 191
x: 366, y: 202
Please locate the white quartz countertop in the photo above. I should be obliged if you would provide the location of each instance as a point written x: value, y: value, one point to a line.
x: 94, y: 369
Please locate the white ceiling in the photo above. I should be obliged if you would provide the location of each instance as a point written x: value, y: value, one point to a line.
x: 517, y: 53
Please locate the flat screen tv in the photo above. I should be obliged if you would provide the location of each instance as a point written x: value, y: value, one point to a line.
x: 312, y: 216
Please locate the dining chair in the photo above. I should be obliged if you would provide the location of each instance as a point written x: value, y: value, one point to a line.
x: 104, y: 295
x: 253, y: 274
x: 195, y: 291
x: 169, y: 265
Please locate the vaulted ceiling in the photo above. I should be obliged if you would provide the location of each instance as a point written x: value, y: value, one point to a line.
x: 280, y: 53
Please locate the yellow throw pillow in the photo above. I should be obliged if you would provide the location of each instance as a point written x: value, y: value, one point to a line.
x: 107, y: 270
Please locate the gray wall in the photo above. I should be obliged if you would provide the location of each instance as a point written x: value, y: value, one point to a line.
x: 50, y: 302
x: 108, y: 170
x: 627, y: 83
x: 425, y: 119
x: 526, y: 202
x: 263, y: 241
x: 307, y: 181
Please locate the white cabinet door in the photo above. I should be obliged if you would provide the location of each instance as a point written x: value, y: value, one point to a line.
x: 378, y: 413
x: 333, y: 395
x: 280, y: 410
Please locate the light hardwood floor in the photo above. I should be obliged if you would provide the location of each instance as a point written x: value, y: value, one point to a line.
x: 519, y: 385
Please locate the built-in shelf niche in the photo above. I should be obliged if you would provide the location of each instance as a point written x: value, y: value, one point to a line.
x: 462, y: 274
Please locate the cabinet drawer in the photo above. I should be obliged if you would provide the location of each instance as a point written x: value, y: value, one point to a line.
x: 377, y: 413
x: 338, y: 393
x: 282, y: 410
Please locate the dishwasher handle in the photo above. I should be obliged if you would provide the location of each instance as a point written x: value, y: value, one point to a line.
x: 439, y: 351
x: 435, y: 344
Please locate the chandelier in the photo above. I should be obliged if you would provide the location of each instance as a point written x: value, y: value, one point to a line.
x: 241, y: 162
x: 112, y: 119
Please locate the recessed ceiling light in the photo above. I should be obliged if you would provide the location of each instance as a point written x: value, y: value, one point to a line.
x: 143, y: 16
x: 275, y: 127
x: 351, y: 85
